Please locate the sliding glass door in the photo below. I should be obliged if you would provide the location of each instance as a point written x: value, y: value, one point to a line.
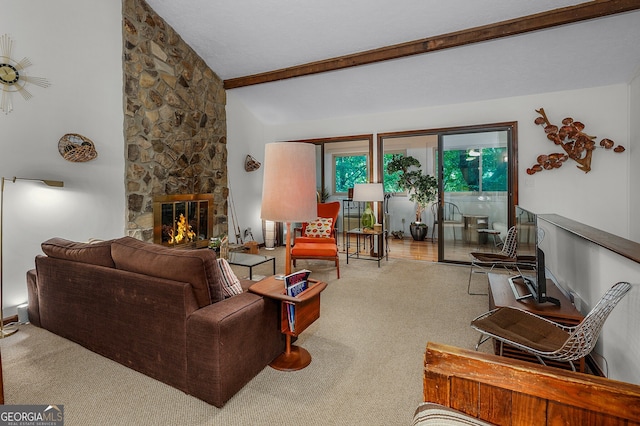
x: 475, y: 195
x: 476, y: 169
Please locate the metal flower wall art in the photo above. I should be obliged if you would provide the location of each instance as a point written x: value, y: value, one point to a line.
x: 576, y: 144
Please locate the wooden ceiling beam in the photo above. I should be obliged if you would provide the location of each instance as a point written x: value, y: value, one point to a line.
x: 539, y: 21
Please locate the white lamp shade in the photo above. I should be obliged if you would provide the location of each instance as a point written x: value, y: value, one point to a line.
x: 368, y: 192
x: 289, y: 185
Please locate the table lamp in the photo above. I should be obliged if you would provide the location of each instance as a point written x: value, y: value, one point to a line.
x: 53, y: 183
x: 289, y: 186
x: 368, y: 193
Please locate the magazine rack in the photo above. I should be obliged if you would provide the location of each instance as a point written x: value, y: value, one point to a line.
x: 306, y: 311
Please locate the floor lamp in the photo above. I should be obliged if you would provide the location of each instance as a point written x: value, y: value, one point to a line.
x: 54, y: 183
x: 289, y: 186
x: 289, y: 195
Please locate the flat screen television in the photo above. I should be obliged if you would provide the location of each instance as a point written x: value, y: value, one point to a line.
x: 532, y: 257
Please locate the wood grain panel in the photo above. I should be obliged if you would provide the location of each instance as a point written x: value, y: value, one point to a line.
x: 464, y: 396
x: 436, y: 388
x: 580, y: 392
x: 528, y: 409
x: 495, y: 405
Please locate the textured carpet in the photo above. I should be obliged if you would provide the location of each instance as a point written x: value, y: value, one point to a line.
x: 367, y: 350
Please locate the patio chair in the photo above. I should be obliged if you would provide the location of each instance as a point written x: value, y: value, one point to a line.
x: 318, y: 238
x: 546, y: 339
x: 485, y: 262
x: 451, y: 217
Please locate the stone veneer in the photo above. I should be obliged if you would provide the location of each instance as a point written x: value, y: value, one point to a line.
x: 175, y: 122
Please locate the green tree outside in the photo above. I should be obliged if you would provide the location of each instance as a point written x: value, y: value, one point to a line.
x: 349, y: 170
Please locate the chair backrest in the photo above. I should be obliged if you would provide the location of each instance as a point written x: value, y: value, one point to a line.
x: 450, y: 212
x: 326, y: 210
x: 510, y: 246
x: 584, y: 336
x: 331, y: 210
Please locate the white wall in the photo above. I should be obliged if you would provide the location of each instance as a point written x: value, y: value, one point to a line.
x: 245, y: 187
x: 600, y: 198
x: 588, y: 198
x: 77, y: 45
x: 590, y: 270
x: 634, y: 158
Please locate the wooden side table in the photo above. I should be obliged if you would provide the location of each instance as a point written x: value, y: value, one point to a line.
x: 500, y: 294
x: 307, y: 310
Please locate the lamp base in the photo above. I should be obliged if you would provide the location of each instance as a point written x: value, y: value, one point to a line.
x: 4, y: 332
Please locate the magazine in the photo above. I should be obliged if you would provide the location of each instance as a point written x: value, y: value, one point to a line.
x: 295, y: 284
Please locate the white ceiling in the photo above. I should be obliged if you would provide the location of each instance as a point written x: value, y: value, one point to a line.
x: 243, y: 37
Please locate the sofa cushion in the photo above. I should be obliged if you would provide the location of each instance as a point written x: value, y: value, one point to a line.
x: 197, y: 267
x: 230, y: 282
x: 98, y: 253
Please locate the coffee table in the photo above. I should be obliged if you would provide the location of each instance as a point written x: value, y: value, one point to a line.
x: 250, y: 260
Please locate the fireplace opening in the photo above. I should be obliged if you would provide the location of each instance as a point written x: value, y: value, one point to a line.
x: 183, y: 220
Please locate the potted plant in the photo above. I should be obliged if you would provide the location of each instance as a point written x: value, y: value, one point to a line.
x: 421, y: 188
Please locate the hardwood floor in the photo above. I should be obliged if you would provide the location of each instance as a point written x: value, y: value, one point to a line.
x: 407, y: 248
x: 427, y: 250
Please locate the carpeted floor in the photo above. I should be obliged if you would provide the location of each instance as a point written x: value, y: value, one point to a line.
x: 367, y: 350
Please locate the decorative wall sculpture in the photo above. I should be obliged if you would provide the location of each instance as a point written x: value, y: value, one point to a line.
x: 76, y: 148
x: 576, y: 144
x: 251, y: 164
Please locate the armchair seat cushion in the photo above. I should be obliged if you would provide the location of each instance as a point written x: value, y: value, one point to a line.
x: 525, y: 329
x: 315, y: 249
x: 314, y: 240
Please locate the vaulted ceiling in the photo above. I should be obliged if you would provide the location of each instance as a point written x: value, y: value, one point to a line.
x: 244, y: 38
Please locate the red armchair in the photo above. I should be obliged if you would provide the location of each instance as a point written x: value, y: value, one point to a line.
x: 318, y: 238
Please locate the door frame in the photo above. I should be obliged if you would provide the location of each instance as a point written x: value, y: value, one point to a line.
x: 512, y: 192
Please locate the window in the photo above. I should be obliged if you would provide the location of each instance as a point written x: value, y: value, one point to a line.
x: 349, y: 169
x: 475, y: 170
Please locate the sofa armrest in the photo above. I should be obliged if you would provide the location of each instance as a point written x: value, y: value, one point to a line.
x: 32, y: 292
x: 229, y: 343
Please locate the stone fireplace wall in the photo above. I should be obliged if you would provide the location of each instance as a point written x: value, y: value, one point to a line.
x: 175, y: 122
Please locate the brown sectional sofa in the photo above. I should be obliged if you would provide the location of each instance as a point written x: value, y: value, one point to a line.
x: 157, y: 310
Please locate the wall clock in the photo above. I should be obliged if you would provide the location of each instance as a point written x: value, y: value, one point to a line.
x: 13, y: 77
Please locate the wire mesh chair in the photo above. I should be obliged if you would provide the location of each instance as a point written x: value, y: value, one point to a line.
x: 544, y: 338
x: 485, y: 262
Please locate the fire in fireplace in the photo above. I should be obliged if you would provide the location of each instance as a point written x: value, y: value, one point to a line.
x: 183, y: 220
